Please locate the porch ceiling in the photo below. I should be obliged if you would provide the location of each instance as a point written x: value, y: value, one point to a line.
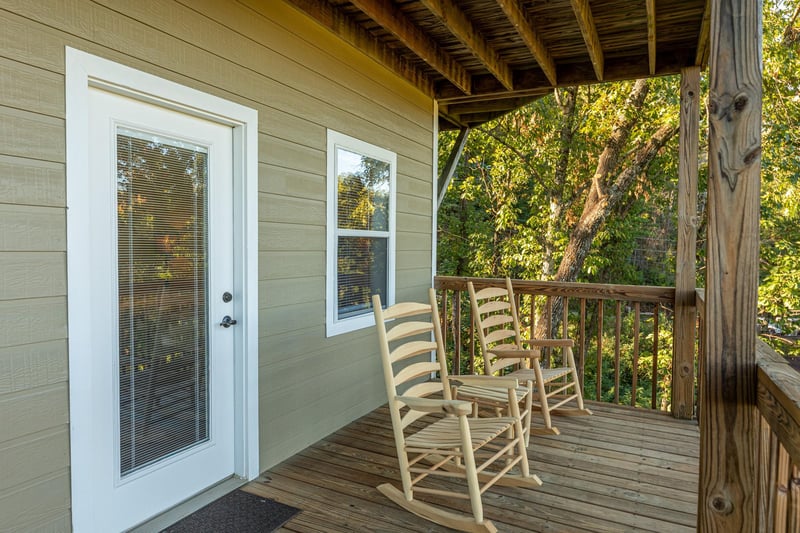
x: 483, y: 58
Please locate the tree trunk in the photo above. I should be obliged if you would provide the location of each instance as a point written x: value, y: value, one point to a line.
x: 609, y: 186
x: 566, y: 102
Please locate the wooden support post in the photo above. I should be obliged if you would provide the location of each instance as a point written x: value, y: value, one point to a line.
x: 729, y: 424
x: 450, y: 165
x: 686, y: 264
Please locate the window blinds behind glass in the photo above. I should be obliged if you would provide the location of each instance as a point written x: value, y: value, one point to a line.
x: 161, y: 229
x: 363, y: 231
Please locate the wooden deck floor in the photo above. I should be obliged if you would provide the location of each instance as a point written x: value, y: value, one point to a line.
x: 618, y: 470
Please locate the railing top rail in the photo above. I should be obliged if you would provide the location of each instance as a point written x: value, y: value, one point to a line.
x: 591, y: 291
x: 779, y: 397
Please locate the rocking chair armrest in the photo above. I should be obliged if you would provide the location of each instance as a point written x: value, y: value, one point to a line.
x: 499, y: 382
x: 549, y: 343
x: 511, y: 352
x: 430, y: 405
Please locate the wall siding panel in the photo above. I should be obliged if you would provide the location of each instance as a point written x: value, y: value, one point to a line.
x: 37, y: 505
x: 302, y: 80
x: 33, y: 457
x: 28, y: 228
x: 32, y: 365
x: 26, y: 134
x: 32, y: 182
x: 25, y: 413
x: 25, y: 87
x: 32, y: 274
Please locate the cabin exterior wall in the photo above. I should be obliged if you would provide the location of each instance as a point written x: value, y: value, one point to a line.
x: 302, y: 80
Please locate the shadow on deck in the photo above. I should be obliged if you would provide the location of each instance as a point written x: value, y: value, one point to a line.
x: 618, y: 470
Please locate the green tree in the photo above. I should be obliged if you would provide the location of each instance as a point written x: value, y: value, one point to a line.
x: 779, y: 291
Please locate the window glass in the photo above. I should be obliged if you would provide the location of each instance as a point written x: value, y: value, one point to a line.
x: 361, y: 185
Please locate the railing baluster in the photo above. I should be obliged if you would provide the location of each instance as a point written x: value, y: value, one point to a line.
x: 565, y: 318
x: 599, y: 392
x: 636, y: 309
x: 581, y: 342
x: 443, y: 318
x: 654, y: 387
x: 548, y: 350
x: 471, y: 342
x: 617, y: 335
x: 782, y: 495
x: 794, y: 497
x: 457, y: 331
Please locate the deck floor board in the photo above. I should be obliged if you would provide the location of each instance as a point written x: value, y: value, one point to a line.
x: 619, y: 470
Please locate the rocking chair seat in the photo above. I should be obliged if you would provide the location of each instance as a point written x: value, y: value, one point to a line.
x: 489, y: 396
x: 445, y: 433
x: 549, y: 374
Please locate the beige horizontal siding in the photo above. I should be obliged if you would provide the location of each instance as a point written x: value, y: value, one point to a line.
x: 302, y: 80
x: 32, y: 275
x: 31, y: 182
x: 41, y: 504
x: 32, y: 365
x: 25, y: 87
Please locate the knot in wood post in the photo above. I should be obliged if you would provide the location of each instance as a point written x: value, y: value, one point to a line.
x: 732, y: 118
x: 722, y: 505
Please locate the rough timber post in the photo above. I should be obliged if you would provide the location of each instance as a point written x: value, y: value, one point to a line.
x: 686, y: 267
x: 728, y: 417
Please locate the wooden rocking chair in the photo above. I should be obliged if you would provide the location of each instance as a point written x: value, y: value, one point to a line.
x: 505, y: 351
x: 483, y: 451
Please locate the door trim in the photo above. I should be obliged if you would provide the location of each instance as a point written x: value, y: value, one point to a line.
x: 82, y: 72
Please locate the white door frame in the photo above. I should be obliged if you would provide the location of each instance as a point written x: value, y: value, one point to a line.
x: 83, y: 71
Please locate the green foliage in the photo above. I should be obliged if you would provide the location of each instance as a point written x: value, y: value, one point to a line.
x: 522, y: 181
x: 509, y: 209
x: 779, y: 291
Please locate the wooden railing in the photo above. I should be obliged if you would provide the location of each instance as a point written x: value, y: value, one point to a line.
x: 623, y: 333
x: 778, y: 404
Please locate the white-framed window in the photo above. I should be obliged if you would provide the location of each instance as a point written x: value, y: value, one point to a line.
x: 360, y: 231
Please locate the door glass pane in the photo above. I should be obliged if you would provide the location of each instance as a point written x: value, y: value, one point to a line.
x: 162, y: 243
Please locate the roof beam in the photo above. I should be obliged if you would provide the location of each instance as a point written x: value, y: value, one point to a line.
x: 583, y: 12
x: 703, y: 40
x: 651, y: 34
x: 394, y: 21
x: 358, y: 37
x: 460, y: 25
x: 520, y: 21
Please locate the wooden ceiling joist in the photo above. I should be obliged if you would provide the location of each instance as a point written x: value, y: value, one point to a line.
x: 484, y: 98
x: 488, y: 86
x: 460, y: 25
x: 651, y: 34
x: 358, y: 37
x: 481, y: 58
x: 471, y: 108
x: 583, y: 12
x: 703, y: 40
x: 393, y: 20
x: 520, y: 21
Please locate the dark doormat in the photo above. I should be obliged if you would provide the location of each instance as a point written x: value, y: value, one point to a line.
x: 237, y: 511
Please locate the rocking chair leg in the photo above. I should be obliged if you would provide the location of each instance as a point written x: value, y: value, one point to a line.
x: 436, y: 515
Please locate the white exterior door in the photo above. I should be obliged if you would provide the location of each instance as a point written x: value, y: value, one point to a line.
x: 162, y: 362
